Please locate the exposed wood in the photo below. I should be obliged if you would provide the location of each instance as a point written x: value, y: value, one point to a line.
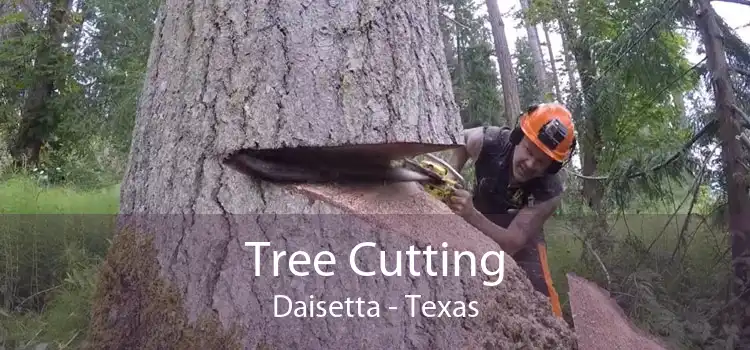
x: 600, y: 323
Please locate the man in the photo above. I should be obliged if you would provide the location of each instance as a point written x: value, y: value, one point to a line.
x: 511, y: 166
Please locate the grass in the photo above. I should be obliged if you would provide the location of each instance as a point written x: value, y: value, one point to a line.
x: 22, y: 195
x: 51, y: 240
x: 48, y: 261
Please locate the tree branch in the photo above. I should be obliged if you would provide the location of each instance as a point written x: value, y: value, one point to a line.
x: 745, y: 118
x: 741, y: 2
x: 741, y: 71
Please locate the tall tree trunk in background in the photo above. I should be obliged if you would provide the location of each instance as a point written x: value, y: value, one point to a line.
x: 37, y: 117
x: 679, y: 103
x: 511, y: 99
x: 553, y: 64
x: 570, y: 69
x: 589, y: 131
x: 448, y: 47
x: 738, y: 202
x: 536, y: 54
x: 460, y: 71
x: 369, y: 75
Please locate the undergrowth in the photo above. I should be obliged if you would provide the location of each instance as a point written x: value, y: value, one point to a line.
x: 51, y: 241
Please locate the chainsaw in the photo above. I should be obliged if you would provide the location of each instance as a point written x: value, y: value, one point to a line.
x: 445, y: 179
x: 318, y: 165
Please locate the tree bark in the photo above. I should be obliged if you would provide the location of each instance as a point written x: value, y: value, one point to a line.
x: 294, y: 74
x: 732, y: 153
x: 568, y: 60
x: 511, y: 99
x: 536, y: 54
x: 553, y: 64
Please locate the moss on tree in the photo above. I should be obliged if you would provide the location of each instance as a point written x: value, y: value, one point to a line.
x: 134, y: 307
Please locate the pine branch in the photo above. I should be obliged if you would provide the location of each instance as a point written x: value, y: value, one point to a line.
x: 744, y: 72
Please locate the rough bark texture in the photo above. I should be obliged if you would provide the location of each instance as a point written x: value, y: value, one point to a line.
x: 738, y: 202
x: 227, y: 75
x: 294, y: 73
x: 511, y: 99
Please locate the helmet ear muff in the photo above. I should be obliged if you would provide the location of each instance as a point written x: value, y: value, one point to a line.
x: 516, y: 135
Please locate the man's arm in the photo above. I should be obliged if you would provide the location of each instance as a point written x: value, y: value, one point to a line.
x: 470, y: 150
x: 528, y: 222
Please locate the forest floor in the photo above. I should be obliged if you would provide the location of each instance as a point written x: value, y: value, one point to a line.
x: 54, y: 257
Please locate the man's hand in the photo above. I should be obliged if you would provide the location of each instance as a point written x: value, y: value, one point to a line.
x: 461, y: 203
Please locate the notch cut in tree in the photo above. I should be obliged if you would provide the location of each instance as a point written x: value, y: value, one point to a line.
x: 223, y: 77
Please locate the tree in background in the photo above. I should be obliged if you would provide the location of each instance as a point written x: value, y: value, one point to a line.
x: 469, y: 54
x: 529, y: 89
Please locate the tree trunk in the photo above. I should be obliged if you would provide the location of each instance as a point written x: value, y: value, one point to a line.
x: 569, y: 68
x: 536, y: 54
x: 179, y: 274
x: 511, y: 99
x: 589, y: 136
x: 553, y: 64
x: 38, y: 117
x: 738, y: 201
x: 460, y: 71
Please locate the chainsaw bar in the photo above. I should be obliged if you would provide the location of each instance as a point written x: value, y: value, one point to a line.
x: 321, y: 167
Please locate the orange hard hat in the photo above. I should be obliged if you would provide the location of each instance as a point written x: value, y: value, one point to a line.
x: 550, y: 127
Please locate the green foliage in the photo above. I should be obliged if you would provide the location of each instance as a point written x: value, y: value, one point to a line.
x: 475, y: 78
x: 670, y: 281
x: 483, y: 104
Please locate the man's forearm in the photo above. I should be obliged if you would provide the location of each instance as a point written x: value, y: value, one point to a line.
x: 510, y: 241
x: 527, y: 223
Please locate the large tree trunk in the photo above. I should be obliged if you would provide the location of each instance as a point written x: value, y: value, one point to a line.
x: 511, y: 99
x: 732, y: 153
x: 295, y: 74
x: 536, y: 54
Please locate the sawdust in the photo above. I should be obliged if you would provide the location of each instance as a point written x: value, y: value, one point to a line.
x: 513, y: 316
x: 600, y: 323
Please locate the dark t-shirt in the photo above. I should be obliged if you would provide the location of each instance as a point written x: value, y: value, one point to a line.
x: 493, y: 196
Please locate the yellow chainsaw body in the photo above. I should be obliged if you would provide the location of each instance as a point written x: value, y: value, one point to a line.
x: 447, y: 185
